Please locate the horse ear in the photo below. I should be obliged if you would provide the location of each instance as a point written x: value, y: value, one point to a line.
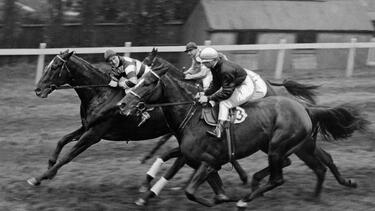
x: 69, y: 54
x: 154, y: 50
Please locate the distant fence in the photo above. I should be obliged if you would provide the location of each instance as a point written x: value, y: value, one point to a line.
x: 127, y: 49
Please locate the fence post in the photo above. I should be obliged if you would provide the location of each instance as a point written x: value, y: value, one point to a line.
x: 371, y: 55
x: 127, y: 51
x: 40, y: 64
x: 280, y: 61
x: 351, y: 57
x: 207, y: 42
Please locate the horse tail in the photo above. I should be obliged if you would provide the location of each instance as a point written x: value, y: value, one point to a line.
x: 339, y: 122
x: 307, y: 92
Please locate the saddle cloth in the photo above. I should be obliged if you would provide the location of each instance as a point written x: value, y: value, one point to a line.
x: 209, y: 115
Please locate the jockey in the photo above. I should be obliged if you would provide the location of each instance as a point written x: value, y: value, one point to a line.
x: 125, y: 71
x: 197, y: 70
x: 231, y: 86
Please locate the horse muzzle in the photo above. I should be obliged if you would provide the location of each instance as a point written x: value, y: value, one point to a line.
x: 43, y: 93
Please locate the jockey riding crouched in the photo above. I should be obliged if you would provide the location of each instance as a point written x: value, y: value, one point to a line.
x: 125, y: 71
x: 231, y: 86
x: 197, y: 70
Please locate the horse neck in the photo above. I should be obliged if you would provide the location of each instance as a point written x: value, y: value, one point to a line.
x: 82, y: 73
x: 177, y: 91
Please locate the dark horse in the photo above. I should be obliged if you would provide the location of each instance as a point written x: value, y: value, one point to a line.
x: 277, y: 125
x: 287, y: 88
x: 99, y: 116
x: 99, y: 119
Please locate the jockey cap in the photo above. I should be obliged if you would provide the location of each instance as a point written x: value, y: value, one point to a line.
x: 190, y: 46
x: 108, y: 54
x: 208, y: 54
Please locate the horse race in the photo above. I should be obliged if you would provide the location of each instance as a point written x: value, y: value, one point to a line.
x: 199, y: 123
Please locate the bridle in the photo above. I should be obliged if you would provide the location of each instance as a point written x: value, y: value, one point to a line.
x: 142, y: 107
x: 65, y: 66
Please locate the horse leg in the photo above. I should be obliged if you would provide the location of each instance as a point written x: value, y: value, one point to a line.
x: 199, y: 176
x: 276, y: 155
x: 73, y: 136
x: 151, y: 173
x: 158, y: 186
x: 216, y: 184
x: 241, y: 172
x: 307, y: 155
x: 160, y: 143
x: 90, y: 137
x: 326, y: 158
x: 260, y: 175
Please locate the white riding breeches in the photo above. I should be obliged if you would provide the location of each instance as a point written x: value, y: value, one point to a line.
x: 248, y: 90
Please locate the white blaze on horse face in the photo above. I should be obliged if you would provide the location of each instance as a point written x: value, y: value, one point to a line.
x: 49, y: 65
x: 139, y: 83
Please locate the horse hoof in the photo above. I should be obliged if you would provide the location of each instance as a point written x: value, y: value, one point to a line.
x: 241, y: 205
x: 143, y: 189
x: 221, y: 198
x: 244, y: 181
x: 140, y: 202
x: 352, y: 183
x: 33, y: 181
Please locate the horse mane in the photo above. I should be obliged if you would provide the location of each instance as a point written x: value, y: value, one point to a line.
x: 178, y: 75
x: 173, y: 70
x: 91, y: 68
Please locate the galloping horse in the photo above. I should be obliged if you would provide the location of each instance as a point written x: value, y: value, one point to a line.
x: 277, y: 125
x: 99, y: 118
x: 99, y: 114
x: 289, y: 88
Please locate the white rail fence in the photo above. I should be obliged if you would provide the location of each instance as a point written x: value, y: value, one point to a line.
x: 127, y: 49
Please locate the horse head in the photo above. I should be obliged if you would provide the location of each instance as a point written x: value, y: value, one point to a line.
x: 150, y: 58
x: 148, y: 89
x: 55, y: 74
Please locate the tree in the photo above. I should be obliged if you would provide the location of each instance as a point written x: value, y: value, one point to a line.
x: 88, y: 22
x: 54, y: 28
x: 9, y: 32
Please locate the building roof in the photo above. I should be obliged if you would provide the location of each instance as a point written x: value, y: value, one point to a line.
x: 286, y: 15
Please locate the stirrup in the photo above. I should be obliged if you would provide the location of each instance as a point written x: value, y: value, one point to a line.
x: 214, y: 133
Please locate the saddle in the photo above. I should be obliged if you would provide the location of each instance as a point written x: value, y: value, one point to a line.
x: 209, y: 115
x: 236, y: 116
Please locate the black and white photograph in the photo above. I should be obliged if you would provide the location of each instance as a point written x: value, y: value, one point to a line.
x: 124, y: 105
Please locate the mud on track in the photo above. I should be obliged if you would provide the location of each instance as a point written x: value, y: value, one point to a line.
x: 107, y: 175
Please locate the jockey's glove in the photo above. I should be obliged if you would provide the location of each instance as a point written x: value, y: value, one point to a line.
x: 203, y: 99
x: 113, y: 83
x: 198, y: 95
x: 122, y: 83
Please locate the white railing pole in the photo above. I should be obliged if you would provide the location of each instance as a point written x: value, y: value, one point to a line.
x: 207, y: 42
x: 128, y: 45
x: 351, y: 59
x: 371, y: 54
x: 280, y: 61
x: 40, y: 64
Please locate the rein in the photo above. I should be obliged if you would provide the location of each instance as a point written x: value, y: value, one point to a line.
x: 80, y: 86
x: 166, y: 104
x: 143, y: 106
x: 73, y: 87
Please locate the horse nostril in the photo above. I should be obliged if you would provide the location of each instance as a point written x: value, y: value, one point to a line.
x: 37, y: 91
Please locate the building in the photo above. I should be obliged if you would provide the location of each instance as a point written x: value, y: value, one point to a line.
x: 262, y: 22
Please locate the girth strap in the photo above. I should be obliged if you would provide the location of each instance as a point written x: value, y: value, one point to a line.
x: 229, y: 137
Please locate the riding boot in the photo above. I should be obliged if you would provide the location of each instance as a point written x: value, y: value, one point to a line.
x: 218, y: 131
